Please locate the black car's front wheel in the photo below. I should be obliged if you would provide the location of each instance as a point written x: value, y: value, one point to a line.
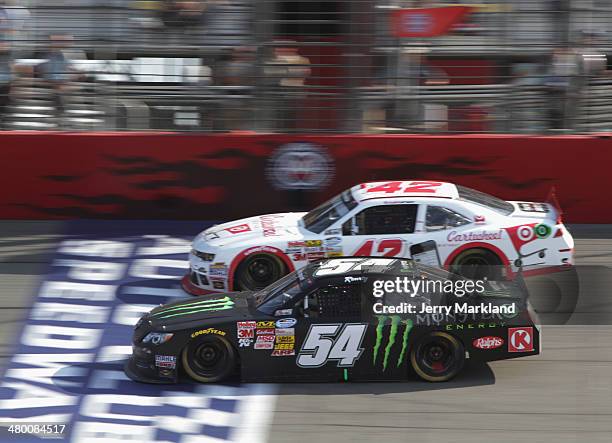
x: 209, y: 359
x: 437, y: 356
x: 258, y: 271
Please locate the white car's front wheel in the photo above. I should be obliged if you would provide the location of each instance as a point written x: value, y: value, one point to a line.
x: 258, y: 271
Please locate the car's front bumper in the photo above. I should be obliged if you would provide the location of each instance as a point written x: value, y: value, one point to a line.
x: 143, y: 368
x: 191, y: 288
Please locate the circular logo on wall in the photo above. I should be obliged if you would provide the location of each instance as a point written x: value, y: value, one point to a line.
x: 300, y: 166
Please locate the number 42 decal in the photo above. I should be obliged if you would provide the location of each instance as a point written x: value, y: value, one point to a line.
x: 324, y: 343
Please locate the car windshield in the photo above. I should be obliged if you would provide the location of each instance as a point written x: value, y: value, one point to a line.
x: 277, y: 294
x: 321, y: 217
x: 482, y: 199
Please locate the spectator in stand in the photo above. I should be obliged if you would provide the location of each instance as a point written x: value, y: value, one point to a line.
x: 57, y: 70
x: 561, y: 78
x: 286, y: 72
x: 6, y: 63
x: 181, y: 14
x: 238, y: 72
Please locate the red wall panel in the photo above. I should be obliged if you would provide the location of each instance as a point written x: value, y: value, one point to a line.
x: 215, y: 177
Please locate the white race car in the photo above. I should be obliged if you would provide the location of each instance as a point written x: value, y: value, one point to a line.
x: 435, y: 223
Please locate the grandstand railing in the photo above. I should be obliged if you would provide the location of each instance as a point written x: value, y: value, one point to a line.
x: 132, y: 69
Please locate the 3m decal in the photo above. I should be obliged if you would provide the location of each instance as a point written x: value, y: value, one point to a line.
x: 245, y: 331
x: 520, y: 339
x: 395, y: 323
x: 332, y: 342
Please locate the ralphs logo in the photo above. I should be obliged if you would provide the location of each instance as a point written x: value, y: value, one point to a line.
x: 488, y: 342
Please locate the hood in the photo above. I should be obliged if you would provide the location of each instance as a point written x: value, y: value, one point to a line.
x: 535, y: 210
x: 270, y: 225
x: 217, y: 307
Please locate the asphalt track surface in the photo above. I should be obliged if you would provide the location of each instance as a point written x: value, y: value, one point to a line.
x: 562, y: 395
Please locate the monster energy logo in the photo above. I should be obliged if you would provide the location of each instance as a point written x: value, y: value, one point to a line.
x: 218, y: 304
x: 396, y: 323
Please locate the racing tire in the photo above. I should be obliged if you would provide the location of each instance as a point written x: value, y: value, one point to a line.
x: 209, y: 359
x: 437, y: 357
x: 478, y: 264
x: 258, y: 271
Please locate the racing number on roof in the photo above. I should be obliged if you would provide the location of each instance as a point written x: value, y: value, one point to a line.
x: 411, y: 187
x: 323, y: 343
x: 342, y: 266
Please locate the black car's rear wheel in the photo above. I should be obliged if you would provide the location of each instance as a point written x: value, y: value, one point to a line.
x: 209, y: 359
x: 437, y: 356
x: 258, y: 271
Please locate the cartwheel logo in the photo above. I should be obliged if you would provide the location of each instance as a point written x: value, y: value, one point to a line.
x: 217, y: 304
x: 395, y: 324
x: 488, y: 342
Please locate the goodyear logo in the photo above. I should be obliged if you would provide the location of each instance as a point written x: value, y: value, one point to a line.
x: 208, y: 331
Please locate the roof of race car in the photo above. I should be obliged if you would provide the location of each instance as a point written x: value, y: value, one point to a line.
x: 404, y: 188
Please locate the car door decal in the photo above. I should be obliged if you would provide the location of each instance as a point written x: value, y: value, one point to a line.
x: 323, y: 343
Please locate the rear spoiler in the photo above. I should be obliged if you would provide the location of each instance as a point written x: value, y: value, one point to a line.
x: 552, y: 200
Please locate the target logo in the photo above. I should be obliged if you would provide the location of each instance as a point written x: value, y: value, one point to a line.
x: 520, y: 339
x: 525, y: 233
x: 239, y: 228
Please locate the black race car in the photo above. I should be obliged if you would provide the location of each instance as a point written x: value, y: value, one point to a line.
x: 346, y: 318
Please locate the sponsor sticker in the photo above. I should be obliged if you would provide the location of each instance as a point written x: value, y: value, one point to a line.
x: 245, y: 342
x: 333, y: 241
x: 265, y: 338
x: 285, y: 339
x: 264, y: 345
x: 284, y: 346
x: 218, y: 269
x: 286, y: 322
x: 238, y: 229
x: 285, y: 331
x: 265, y: 331
x: 520, y: 339
x: 218, y: 284
x: 246, y: 329
x: 165, y: 361
x: 313, y: 243
x: 488, y: 342
x: 283, y: 352
x: 265, y: 324
x: 542, y: 231
x: 208, y: 331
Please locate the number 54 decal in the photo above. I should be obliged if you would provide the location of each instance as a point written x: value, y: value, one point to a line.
x: 323, y: 343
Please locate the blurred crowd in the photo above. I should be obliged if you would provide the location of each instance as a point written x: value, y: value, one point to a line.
x: 267, y: 83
